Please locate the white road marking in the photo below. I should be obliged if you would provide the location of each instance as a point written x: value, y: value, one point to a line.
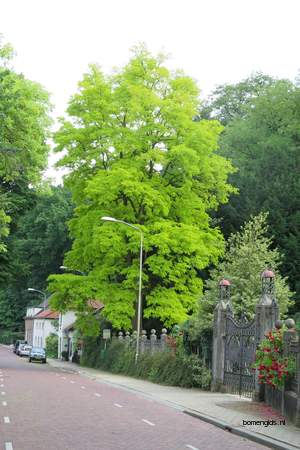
x: 2, y: 393
x: 148, y: 422
x: 117, y: 405
x: 97, y: 395
x: 6, y: 419
x: 191, y: 447
x: 8, y: 446
x: 72, y: 381
x: 4, y: 403
x: 1, y: 385
x: 83, y: 387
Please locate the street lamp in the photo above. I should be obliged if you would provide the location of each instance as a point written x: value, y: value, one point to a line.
x: 112, y: 219
x: 67, y: 269
x: 40, y: 292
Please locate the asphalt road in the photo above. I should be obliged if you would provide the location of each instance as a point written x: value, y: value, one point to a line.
x: 43, y: 408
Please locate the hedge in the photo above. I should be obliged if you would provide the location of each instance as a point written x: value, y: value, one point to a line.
x: 166, y: 367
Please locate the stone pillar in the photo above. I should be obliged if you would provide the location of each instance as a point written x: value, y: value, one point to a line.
x: 219, y: 335
x: 266, y: 316
x: 163, y: 339
x: 267, y: 311
x: 153, y: 339
x: 121, y: 336
x: 127, y: 338
x: 143, y: 341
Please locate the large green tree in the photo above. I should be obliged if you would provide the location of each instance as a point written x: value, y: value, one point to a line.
x: 249, y: 251
x: 135, y: 152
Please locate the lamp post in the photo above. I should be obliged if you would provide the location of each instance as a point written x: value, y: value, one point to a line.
x: 40, y: 292
x: 112, y: 219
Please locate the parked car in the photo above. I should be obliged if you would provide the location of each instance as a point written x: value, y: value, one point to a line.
x: 17, y: 345
x: 24, y: 350
x: 37, y: 354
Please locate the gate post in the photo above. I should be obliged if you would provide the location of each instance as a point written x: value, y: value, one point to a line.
x: 266, y: 315
x: 219, y: 335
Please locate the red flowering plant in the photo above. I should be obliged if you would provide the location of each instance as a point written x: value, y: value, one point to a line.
x: 272, y: 365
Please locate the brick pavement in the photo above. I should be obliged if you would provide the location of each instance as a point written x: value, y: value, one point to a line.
x: 227, y: 410
x: 59, y: 408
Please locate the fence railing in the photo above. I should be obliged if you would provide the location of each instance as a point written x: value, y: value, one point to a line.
x: 151, y: 344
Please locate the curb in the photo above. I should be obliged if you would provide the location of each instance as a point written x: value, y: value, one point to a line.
x: 248, y: 434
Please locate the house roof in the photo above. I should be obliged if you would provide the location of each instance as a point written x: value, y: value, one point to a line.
x: 47, y: 314
x: 95, y: 304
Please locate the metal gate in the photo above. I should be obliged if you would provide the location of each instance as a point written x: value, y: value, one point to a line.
x: 240, y: 346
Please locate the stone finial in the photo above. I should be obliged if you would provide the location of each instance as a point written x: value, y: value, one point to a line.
x: 153, y: 336
x: 290, y: 324
x: 224, y: 287
x: 268, y: 288
x: 120, y: 335
x: 163, y: 338
x: 144, y: 335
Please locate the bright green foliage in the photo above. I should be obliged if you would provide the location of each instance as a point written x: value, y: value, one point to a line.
x: 248, y: 253
x: 24, y: 123
x: 264, y: 144
x: 135, y: 153
x: 36, y: 247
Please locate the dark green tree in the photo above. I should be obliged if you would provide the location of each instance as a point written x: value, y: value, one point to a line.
x: 262, y: 139
x: 35, y: 249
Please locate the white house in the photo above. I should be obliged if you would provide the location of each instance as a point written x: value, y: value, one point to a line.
x: 29, y: 323
x: 43, y: 326
x: 67, y: 330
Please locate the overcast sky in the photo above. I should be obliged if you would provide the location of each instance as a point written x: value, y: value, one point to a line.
x: 214, y: 41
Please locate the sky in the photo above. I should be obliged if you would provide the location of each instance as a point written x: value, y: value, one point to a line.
x: 214, y: 41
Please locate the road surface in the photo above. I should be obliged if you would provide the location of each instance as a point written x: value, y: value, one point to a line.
x: 43, y: 408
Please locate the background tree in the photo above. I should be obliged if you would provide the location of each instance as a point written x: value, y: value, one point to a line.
x: 24, y: 128
x: 36, y: 247
x: 135, y: 153
x: 261, y: 138
x: 230, y: 101
x: 24, y: 123
x: 248, y: 253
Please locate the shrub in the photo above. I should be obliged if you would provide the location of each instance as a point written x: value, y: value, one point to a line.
x: 272, y: 365
x: 52, y: 345
x: 166, y: 367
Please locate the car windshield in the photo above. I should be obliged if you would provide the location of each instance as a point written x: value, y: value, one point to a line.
x: 37, y: 350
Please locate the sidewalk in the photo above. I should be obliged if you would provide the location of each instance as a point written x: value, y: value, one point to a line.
x: 224, y: 410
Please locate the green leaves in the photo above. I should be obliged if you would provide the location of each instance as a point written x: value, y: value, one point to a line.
x: 248, y: 253
x: 136, y: 153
